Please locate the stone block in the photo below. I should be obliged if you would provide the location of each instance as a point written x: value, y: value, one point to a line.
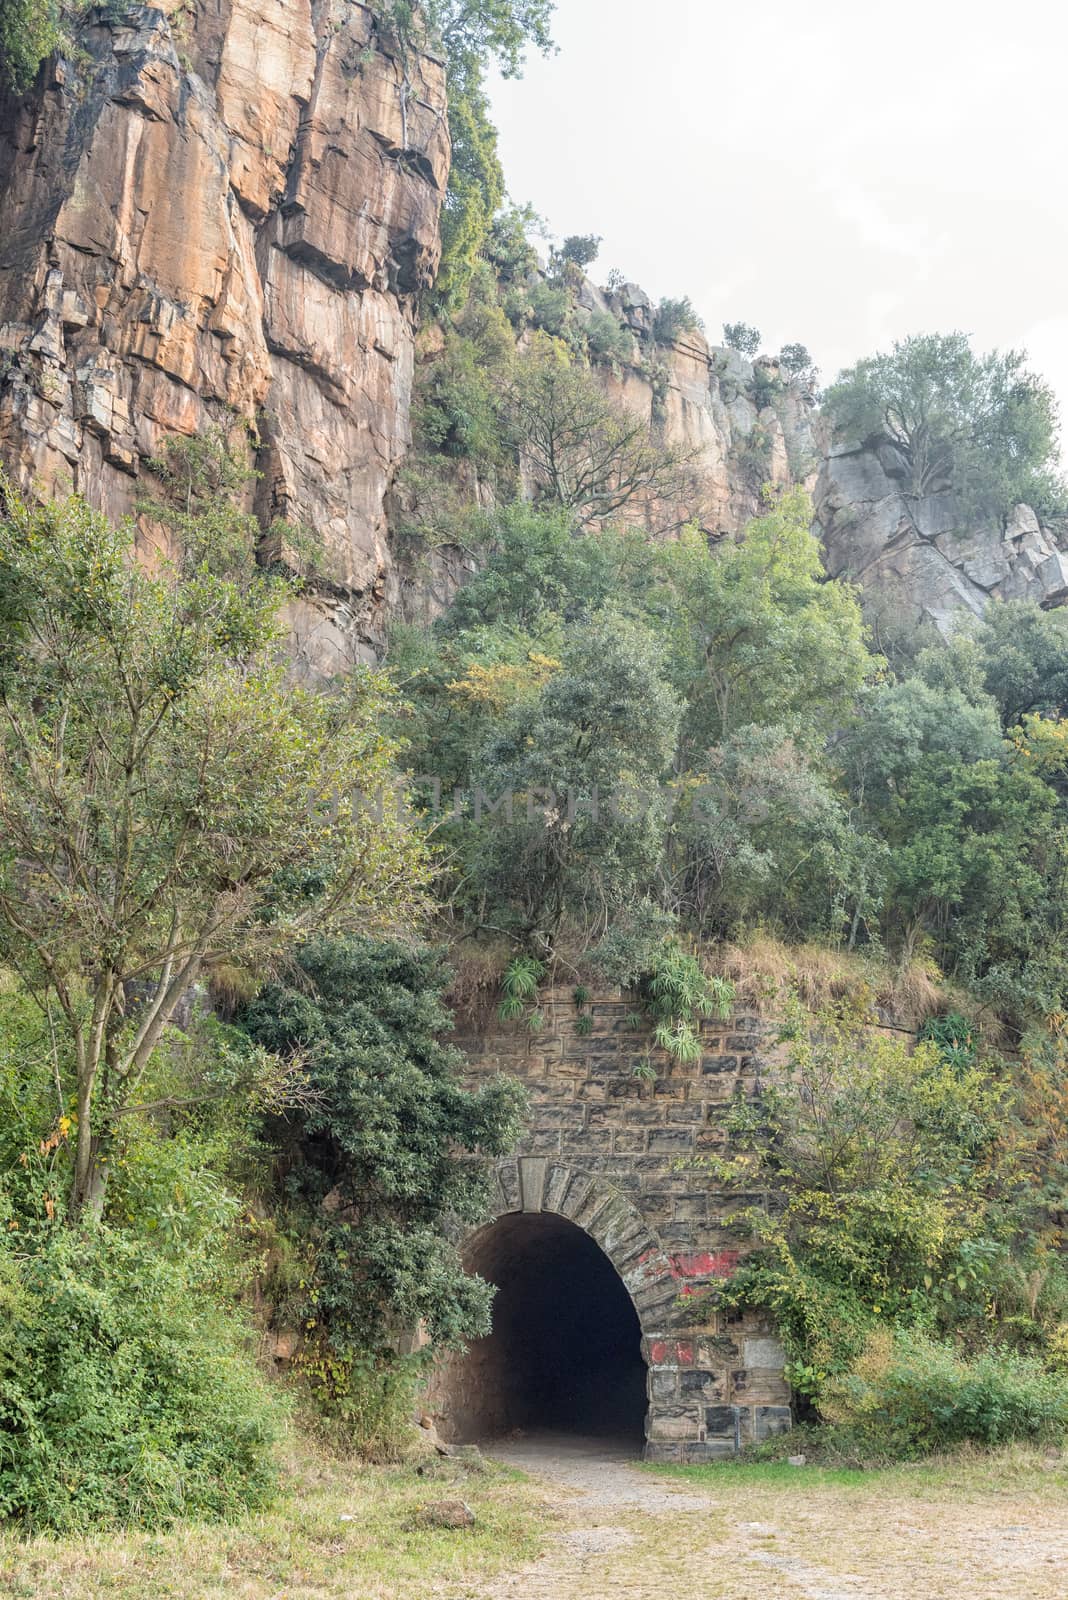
x: 667, y: 1427
x: 722, y: 1422
x: 670, y: 1141
x: 663, y: 1383
x: 769, y: 1421
x: 763, y: 1352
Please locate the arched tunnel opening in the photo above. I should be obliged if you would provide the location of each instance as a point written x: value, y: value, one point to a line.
x: 564, y: 1354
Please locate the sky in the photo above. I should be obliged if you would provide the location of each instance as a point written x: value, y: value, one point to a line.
x: 839, y: 175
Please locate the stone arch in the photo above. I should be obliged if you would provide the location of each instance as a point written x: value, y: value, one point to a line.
x: 583, y: 1286
x: 540, y: 1184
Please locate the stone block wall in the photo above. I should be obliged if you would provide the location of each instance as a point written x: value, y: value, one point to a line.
x: 619, y: 1155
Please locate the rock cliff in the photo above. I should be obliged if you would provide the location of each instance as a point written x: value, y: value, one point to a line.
x: 920, y: 559
x: 225, y: 214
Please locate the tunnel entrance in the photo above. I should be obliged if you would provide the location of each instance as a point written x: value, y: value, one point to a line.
x: 565, y: 1351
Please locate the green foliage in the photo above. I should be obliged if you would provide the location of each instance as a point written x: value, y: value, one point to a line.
x: 573, y: 777
x: 885, y: 1165
x: 580, y: 249
x: 472, y: 33
x: 676, y: 993
x: 981, y: 426
x: 30, y: 31
x: 168, y: 799
x: 519, y: 987
x: 475, y: 189
x: 608, y: 339
x: 759, y: 635
x: 674, y: 318
x: 794, y: 358
x: 909, y: 1394
x: 457, y: 406
x: 384, y: 1153
x: 742, y: 337
x: 127, y: 1394
x: 763, y: 838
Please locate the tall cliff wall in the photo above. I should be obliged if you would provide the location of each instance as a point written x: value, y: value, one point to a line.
x: 226, y: 214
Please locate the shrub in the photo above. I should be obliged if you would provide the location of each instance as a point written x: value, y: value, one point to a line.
x: 126, y: 1394
x: 675, y: 317
x: 550, y: 307
x: 908, y: 1394
x: 608, y: 339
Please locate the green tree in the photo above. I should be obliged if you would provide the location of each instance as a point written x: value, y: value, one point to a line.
x: 674, y: 318
x: 981, y: 426
x: 386, y: 1153
x: 579, y: 770
x: 755, y: 632
x: 168, y: 801
x: 742, y: 337
x: 760, y: 837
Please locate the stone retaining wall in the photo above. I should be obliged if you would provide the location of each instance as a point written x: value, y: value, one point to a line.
x: 618, y: 1155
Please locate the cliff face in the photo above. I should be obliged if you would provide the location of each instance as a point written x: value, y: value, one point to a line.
x: 744, y: 423
x: 921, y: 560
x: 225, y: 215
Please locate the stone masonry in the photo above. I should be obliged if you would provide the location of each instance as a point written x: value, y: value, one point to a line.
x: 619, y: 1155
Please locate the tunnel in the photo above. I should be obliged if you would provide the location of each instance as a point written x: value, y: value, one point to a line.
x: 564, y: 1354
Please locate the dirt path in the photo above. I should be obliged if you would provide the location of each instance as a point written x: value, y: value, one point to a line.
x: 634, y: 1535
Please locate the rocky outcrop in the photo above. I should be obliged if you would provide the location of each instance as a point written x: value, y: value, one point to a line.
x: 921, y: 559
x: 224, y: 215
x: 744, y: 423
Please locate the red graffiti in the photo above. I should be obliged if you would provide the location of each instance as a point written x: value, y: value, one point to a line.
x: 703, y: 1264
x: 663, y: 1353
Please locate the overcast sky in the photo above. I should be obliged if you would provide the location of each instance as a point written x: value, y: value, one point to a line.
x: 838, y: 174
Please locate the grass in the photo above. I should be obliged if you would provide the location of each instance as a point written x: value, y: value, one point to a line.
x: 338, y: 1529
x: 965, y: 1473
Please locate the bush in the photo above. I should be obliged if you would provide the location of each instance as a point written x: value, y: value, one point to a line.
x: 608, y: 339
x: 673, y: 318
x: 30, y: 31
x: 908, y: 1394
x: 126, y: 1394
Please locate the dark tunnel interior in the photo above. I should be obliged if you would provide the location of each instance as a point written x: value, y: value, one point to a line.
x: 565, y: 1351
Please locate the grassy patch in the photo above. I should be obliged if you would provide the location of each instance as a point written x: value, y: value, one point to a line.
x: 965, y: 1473
x: 338, y: 1529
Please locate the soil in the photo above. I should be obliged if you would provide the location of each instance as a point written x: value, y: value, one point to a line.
x: 634, y: 1534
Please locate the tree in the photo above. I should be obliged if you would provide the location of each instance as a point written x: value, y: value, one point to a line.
x: 756, y: 634
x: 475, y: 188
x: 168, y: 801
x: 742, y: 337
x: 878, y: 1159
x: 981, y: 426
x: 473, y: 31
x: 387, y: 1152
x: 795, y: 358
x: 760, y: 838
x: 1023, y: 658
x: 574, y: 776
x: 583, y: 450
x: 580, y: 249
